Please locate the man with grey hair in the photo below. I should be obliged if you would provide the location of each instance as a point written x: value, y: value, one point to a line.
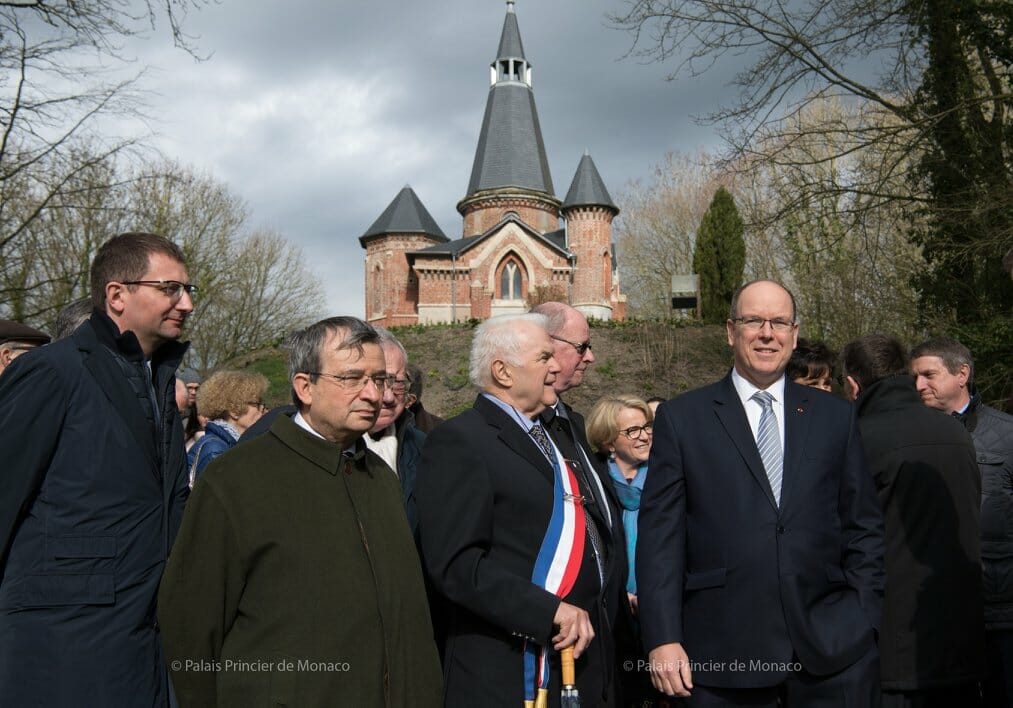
x: 944, y: 375
x: 502, y: 530
x: 295, y: 576
x: 394, y: 437
x: 71, y: 316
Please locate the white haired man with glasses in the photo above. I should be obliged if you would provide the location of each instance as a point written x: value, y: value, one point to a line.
x: 295, y: 578
x: 94, y: 482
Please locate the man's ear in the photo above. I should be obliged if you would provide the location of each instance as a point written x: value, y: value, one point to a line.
x: 851, y: 388
x: 6, y: 357
x: 301, y: 386
x: 964, y: 373
x: 501, y: 375
x: 115, y: 293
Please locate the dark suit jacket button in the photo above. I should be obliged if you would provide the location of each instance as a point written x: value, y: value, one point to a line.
x: 780, y: 529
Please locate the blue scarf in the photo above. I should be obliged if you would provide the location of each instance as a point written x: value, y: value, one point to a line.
x: 628, y: 492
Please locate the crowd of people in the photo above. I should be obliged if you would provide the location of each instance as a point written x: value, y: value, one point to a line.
x: 758, y: 541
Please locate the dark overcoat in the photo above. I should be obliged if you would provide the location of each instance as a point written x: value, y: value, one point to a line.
x: 90, y: 501
x: 295, y: 582
x: 933, y: 629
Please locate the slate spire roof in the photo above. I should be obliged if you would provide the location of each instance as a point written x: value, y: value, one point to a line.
x: 510, y: 45
x: 510, y: 150
x: 587, y: 188
x: 405, y: 215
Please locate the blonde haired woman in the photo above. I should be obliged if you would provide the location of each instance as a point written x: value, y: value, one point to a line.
x: 620, y: 430
x: 231, y: 401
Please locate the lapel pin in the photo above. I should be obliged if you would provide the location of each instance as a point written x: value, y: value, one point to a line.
x: 800, y: 410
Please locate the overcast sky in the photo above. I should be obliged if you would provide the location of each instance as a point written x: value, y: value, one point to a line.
x: 317, y: 112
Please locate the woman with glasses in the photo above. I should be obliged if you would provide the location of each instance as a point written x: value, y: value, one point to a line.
x: 619, y: 429
x: 231, y: 401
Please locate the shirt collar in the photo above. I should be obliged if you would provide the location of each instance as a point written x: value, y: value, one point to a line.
x: 302, y: 423
x: 526, y: 423
x: 745, y: 389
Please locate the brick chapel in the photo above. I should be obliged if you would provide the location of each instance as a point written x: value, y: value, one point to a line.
x: 514, y: 247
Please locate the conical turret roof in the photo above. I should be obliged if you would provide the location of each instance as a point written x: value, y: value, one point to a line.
x: 405, y: 215
x: 587, y: 188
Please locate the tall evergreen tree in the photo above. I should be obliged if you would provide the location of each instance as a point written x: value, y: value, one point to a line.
x: 719, y: 256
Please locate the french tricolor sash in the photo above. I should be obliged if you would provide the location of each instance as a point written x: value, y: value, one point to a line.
x: 556, y: 569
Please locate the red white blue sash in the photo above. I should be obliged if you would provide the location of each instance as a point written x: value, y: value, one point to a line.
x: 556, y: 568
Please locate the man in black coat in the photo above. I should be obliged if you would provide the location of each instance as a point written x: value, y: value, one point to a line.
x: 931, y: 639
x: 92, y: 489
x: 491, y: 509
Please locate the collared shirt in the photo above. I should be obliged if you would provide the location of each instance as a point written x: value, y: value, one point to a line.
x: 754, y: 409
x: 526, y: 423
x: 301, y: 422
x: 385, y: 446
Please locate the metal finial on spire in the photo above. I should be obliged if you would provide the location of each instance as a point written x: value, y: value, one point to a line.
x: 510, y: 5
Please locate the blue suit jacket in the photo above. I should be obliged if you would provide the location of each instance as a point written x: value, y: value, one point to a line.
x: 749, y: 588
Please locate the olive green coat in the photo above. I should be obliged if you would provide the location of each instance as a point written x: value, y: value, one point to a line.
x: 294, y: 581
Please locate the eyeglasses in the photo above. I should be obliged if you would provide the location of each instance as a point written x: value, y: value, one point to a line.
x: 259, y: 405
x: 172, y: 289
x: 635, y: 432
x: 357, y: 382
x: 398, y: 386
x: 780, y: 325
x: 581, y: 347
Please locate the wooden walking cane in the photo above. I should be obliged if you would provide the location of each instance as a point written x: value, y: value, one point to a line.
x: 569, y: 697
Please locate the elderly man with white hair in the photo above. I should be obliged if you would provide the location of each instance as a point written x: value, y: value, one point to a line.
x: 503, y: 531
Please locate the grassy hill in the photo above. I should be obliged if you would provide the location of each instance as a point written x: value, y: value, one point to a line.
x: 641, y: 357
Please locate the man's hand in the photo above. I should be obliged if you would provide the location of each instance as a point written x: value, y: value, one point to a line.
x: 574, y: 629
x: 670, y: 673
x: 634, y: 607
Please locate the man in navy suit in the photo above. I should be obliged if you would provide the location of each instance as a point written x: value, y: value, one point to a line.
x: 760, y: 551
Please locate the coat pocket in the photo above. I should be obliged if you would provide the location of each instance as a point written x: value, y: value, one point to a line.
x: 67, y: 589
x: 80, y: 555
x: 703, y: 579
x: 70, y: 547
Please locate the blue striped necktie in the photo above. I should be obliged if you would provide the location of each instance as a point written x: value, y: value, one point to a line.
x: 768, y: 442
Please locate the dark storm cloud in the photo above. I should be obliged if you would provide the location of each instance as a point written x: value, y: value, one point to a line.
x: 317, y: 113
